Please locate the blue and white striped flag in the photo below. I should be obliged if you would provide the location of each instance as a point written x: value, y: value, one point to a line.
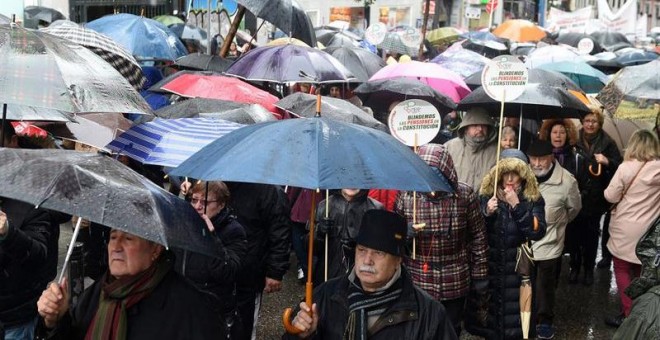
x: 168, y: 142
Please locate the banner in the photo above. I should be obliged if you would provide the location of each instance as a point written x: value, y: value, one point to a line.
x: 576, y: 21
x: 623, y: 21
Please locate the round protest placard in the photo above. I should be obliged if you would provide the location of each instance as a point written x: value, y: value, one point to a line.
x: 585, y: 46
x: 504, y: 76
x: 375, y: 34
x: 414, y: 117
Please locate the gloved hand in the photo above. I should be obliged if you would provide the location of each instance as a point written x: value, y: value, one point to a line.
x: 479, y: 301
x: 324, y: 226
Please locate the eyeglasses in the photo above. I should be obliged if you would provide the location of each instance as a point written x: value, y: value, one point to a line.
x: 194, y: 201
x: 590, y: 121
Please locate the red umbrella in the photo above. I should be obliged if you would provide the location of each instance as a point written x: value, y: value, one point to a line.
x: 28, y: 130
x: 212, y: 86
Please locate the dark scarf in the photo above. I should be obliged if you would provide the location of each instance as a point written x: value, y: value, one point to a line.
x: 362, y: 305
x: 590, y: 141
x: 561, y: 154
x: 117, y: 296
x: 547, y: 176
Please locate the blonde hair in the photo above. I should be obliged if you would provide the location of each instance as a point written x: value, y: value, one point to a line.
x: 643, y: 146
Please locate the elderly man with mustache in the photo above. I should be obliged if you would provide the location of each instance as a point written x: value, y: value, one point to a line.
x: 377, y: 299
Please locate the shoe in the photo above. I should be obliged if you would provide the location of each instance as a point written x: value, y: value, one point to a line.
x: 301, y: 276
x: 545, y: 331
x: 573, y: 276
x: 615, y: 321
x: 588, y: 278
x: 604, y: 263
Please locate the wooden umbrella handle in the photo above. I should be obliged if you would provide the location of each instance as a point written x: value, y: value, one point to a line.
x: 591, y: 171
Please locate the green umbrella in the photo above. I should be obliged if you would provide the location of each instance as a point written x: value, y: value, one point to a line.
x: 168, y: 20
x: 443, y: 35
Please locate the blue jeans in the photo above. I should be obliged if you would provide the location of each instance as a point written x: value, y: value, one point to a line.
x: 21, y: 332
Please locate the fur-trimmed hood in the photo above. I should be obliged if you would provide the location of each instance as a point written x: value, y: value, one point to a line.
x: 529, y: 184
x: 571, y: 130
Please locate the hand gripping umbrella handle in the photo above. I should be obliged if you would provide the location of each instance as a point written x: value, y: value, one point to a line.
x: 591, y: 171
x: 309, y: 286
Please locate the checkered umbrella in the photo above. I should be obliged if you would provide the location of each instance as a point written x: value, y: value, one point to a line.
x: 106, y: 48
x: 394, y: 44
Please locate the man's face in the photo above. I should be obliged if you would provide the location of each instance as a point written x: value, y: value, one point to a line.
x: 335, y: 92
x: 130, y: 255
x: 374, y: 268
x: 477, y: 132
x: 541, y: 165
x: 349, y: 194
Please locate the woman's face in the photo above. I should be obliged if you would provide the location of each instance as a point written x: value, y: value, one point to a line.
x: 213, y: 205
x: 511, y: 180
x: 508, y: 141
x: 130, y: 255
x: 558, y: 136
x: 590, y: 124
x: 335, y: 92
x: 232, y: 47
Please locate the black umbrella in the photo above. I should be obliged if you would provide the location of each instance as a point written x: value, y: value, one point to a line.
x: 304, y: 105
x: 191, y: 108
x: 203, y: 62
x: 535, y: 76
x: 573, y: 39
x: 332, y: 37
x: 42, y: 14
x: 362, y: 63
x: 286, y: 15
x: 101, y: 189
x: 487, y: 48
x: 474, y: 80
x: 248, y: 114
x: 611, y: 41
x: 380, y: 94
x: 635, y: 56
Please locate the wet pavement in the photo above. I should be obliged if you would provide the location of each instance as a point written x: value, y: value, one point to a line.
x: 579, y: 310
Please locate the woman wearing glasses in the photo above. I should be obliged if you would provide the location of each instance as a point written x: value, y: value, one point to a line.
x: 216, y: 275
x: 598, y: 158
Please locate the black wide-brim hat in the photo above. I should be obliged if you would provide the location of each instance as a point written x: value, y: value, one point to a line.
x: 383, y: 230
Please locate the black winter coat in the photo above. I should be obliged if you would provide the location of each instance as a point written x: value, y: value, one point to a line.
x: 28, y: 259
x: 346, y: 218
x: 507, y: 229
x: 175, y: 309
x: 217, y: 275
x: 414, y: 315
x: 591, y: 186
x: 263, y: 211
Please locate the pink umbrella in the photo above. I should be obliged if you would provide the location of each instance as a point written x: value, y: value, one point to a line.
x: 439, y: 78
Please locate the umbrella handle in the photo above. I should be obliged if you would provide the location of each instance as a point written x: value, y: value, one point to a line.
x: 286, y: 321
x: 591, y: 171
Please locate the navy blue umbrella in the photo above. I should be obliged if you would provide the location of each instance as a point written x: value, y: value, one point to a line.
x: 313, y: 153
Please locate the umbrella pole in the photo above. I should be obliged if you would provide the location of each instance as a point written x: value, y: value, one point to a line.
x: 4, y: 123
x: 327, y: 206
x: 426, y: 21
x: 309, y: 288
x: 69, y: 251
x: 414, y: 243
x: 232, y: 31
x: 499, y: 140
x: 520, y: 128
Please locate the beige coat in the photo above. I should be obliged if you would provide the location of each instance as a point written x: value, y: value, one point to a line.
x: 562, y: 204
x: 638, y: 208
x: 471, y: 164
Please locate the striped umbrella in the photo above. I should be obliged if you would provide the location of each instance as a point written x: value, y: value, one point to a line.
x: 168, y: 142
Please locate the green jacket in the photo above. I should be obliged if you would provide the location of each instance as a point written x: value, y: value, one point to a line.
x: 644, y: 319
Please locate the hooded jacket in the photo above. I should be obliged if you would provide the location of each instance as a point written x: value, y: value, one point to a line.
x: 507, y: 229
x: 636, y: 209
x: 473, y: 161
x: 452, y: 244
x: 562, y: 203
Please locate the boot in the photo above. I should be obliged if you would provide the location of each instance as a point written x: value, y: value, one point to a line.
x: 588, y: 278
x: 605, y: 262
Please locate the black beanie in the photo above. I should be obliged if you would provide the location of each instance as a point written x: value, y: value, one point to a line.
x: 383, y: 230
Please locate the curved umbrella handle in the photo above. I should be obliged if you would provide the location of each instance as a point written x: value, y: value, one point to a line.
x: 591, y: 171
x: 286, y: 321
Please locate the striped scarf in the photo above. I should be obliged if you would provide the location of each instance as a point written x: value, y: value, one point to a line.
x: 117, y: 296
x: 363, y: 305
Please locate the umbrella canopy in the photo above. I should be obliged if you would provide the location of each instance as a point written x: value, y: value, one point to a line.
x: 24, y: 112
x: 634, y: 56
x: 191, y: 108
x: 287, y: 40
x: 304, y: 105
x: 247, y: 115
x: 360, y: 62
x: 203, y: 62
x: 589, y: 79
x: 168, y: 142
x: 214, y: 86
x: 332, y: 37
x: 101, y: 189
x: 552, y: 54
x: 474, y: 80
x: 487, y: 48
x: 573, y: 39
x: 519, y: 30
x: 461, y: 61
x: 605, y: 62
x: 434, y: 75
x: 286, y: 15
x: 484, y: 35
x: 443, y: 35
x: 142, y: 37
x: 94, y: 129
x: 189, y: 32
x: 393, y: 43
x: 285, y: 63
x: 634, y: 92
x: 313, y: 153
x: 611, y: 41
x: 106, y: 48
x: 380, y: 94
x: 4, y: 19
x: 168, y: 20
x: 40, y: 13
x: 46, y: 71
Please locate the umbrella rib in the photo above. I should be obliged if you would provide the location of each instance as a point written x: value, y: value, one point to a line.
x: 49, y: 190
